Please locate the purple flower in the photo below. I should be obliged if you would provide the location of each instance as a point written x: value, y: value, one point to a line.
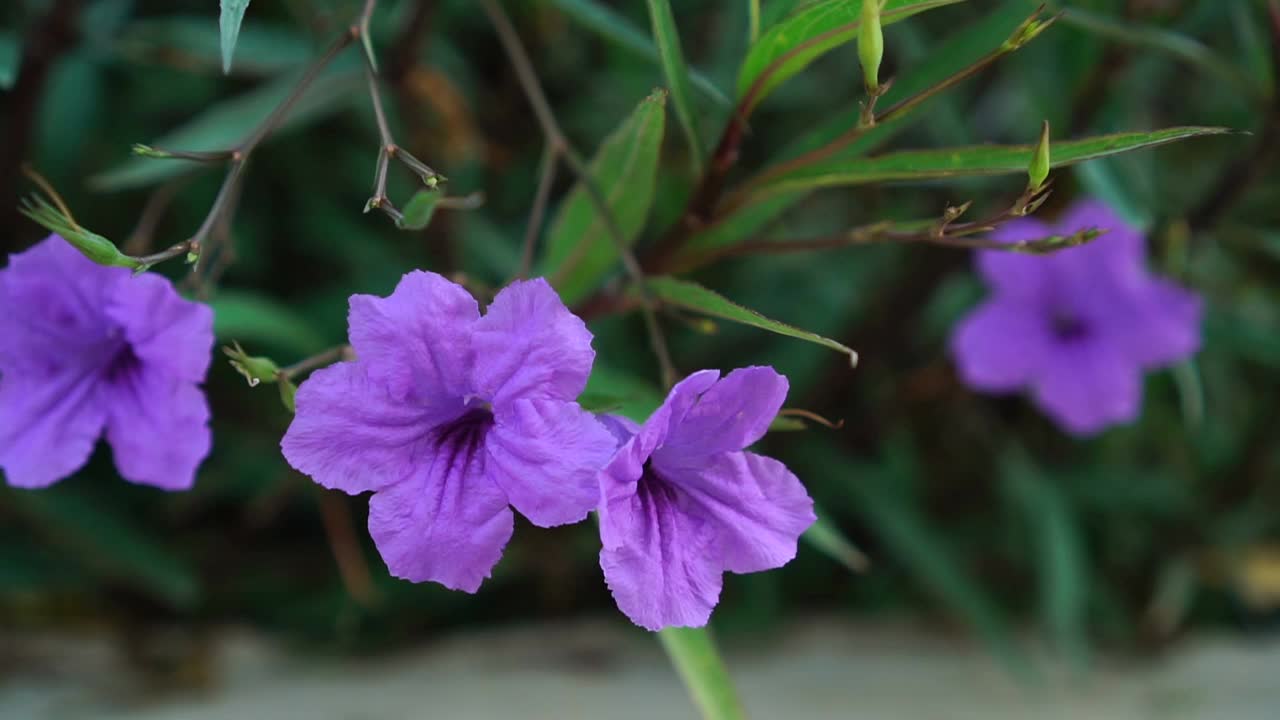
x: 85, y: 347
x: 450, y: 417
x: 681, y: 503
x: 1076, y: 328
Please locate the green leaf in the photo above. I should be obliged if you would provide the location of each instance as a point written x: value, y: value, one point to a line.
x: 229, y: 27
x: 226, y: 123
x: 579, y: 251
x: 962, y: 49
x: 828, y: 540
x: 1187, y: 49
x: 913, y: 542
x: 692, y: 296
x: 607, y: 23
x: 964, y: 161
x: 106, y: 544
x: 791, y: 45
x: 694, y: 654
x: 252, y: 318
x: 1060, y: 556
x: 419, y: 209
x: 677, y: 73
x: 10, y: 58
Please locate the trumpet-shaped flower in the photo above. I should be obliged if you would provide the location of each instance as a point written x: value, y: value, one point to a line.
x: 1077, y: 328
x: 451, y: 418
x: 681, y: 502
x: 86, y: 348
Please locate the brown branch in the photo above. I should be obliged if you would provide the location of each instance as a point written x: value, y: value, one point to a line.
x: 560, y: 145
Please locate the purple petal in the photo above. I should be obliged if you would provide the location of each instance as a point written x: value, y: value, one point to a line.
x: 666, y: 574
x: 622, y: 428
x: 447, y: 522
x: 1016, y: 275
x: 158, y: 426
x: 1088, y: 386
x: 350, y: 434
x: 164, y: 330
x: 418, y: 340
x: 1117, y: 256
x: 729, y: 416
x: 1157, y: 324
x: 545, y: 455
x: 1001, y: 344
x: 528, y: 345
x: 619, y: 478
x: 61, y: 326
x: 48, y: 427
x: 756, y: 506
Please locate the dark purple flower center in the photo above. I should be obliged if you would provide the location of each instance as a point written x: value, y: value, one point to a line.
x: 653, y: 486
x: 122, y: 363
x: 1068, y: 326
x: 457, y: 441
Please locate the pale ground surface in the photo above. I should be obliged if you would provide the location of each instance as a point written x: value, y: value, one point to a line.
x: 597, y: 669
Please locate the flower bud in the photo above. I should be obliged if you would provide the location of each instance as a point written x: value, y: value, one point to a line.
x: 871, y: 45
x: 92, y: 245
x: 254, y: 369
x: 1038, y: 170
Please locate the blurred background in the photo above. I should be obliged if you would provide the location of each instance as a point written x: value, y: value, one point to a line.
x: 1003, y: 553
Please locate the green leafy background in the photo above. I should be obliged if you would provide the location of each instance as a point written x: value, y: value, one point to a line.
x: 973, y: 510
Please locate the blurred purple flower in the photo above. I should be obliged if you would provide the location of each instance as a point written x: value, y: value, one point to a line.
x: 85, y: 347
x: 450, y: 417
x: 681, y: 503
x: 1078, y: 327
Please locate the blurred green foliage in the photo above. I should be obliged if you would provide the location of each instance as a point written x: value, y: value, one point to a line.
x: 971, y: 508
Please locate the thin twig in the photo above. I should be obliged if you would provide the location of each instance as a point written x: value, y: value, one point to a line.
x: 555, y: 136
x: 319, y: 360
x: 546, y: 177
x: 157, y: 204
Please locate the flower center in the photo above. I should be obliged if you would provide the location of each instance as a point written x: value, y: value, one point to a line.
x: 458, y: 440
x: 1068, y: 326
x: 122, y: 363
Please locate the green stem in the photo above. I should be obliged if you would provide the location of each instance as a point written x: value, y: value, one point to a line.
x: 694, y: 654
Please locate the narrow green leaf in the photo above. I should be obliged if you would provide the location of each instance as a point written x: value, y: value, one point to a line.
x: 579, y: 251
x: 105, y: 544
x: 253, y: 318
x: 966, y: 161
x: 419, y: 209
x: 694, y: 654
x: 608, y: 24
x: 1060, y: 554
x: 791, y: 45
x: 1187, y: 49
x: 912, y: 542
x: 229, y: 27
x: 667, y: 38
x: 692, y: 296
x: 228, y: 122
x: 827, y: 539
x: 10, y: 58
x: 957, y: 51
